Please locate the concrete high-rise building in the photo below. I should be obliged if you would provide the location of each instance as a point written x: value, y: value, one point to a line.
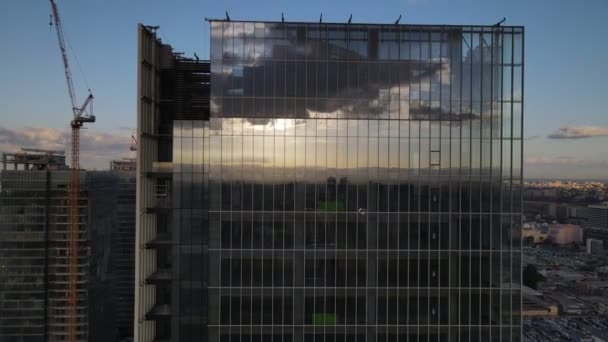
x: 34, y: 243
x: 170, y: 88
x: 331, y: 182
x: 34, y: 248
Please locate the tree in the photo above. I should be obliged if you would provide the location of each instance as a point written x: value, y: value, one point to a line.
x: 531, y: 277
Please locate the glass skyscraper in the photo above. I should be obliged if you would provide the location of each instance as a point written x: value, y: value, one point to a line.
x: 344, y: 182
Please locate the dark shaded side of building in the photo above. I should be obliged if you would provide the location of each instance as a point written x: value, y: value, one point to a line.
x: 170, y: 88
x: 112, y: 254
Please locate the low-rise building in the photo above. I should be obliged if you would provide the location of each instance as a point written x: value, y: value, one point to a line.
x: 602, y: 272
x: 566, y: 234
x: 594, y: 246
x: 531, y: 231
x: 597, y: 233
x: 569, y: 305
x: 592, y: 288
x: 535, y: 305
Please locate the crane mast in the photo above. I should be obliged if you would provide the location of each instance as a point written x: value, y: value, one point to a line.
x: 81, y: 115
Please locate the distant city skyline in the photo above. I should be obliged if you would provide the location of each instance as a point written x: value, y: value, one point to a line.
x: 566, y: 126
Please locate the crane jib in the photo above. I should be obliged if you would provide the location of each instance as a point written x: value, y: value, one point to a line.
x: 82, y: 114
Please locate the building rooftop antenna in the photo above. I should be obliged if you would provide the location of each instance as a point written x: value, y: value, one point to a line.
x: 397, y: 21
x: 500, y: 22
x: 350, y: 19
x: 282, y: 17
x: 227, y: 16
x: 321, y: 18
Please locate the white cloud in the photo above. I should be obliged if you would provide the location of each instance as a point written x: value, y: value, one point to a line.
x: 563, y: 161
x: 96, y: 148
x: 565, y: 167
x: 578, y: 132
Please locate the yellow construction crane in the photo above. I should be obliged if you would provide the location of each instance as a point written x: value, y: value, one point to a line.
x: 81, y: 115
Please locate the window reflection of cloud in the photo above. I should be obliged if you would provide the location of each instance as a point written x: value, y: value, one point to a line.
x: 380, y: 99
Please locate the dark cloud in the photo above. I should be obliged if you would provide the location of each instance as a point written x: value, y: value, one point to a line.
x: 334, y: 99
x: 440, y: 114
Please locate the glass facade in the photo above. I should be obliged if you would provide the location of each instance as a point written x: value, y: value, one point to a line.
x: 353, y: 183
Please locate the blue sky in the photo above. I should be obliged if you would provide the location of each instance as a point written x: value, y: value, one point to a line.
x: 565, y: 72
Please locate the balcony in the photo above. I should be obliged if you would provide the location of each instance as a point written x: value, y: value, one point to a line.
x: 160, y: 170
x: 161, y: 240
x: 159, y: 312
x: 160, y: 204
x: 162, y: 200
x: 162, y: 275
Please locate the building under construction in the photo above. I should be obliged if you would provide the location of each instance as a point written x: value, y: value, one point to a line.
x: 34, y: 159
x: 33, y: 249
